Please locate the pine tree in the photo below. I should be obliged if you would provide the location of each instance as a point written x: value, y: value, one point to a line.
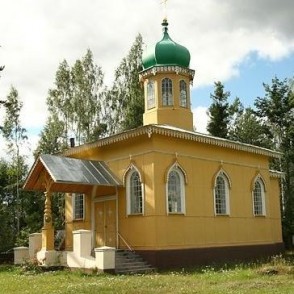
x: 219, y: 112
x: 247, y: 128
x: 275, y: 109
x: 51, y: 141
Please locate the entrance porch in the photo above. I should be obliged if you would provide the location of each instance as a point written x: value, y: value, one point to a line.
x: 90, y: 239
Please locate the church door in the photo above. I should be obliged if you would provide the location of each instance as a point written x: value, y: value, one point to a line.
x: 105, y: 214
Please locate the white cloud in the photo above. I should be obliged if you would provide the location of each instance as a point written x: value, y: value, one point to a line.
x: 200, y: 118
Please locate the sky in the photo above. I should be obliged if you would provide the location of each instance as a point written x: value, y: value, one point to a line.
x: 240, y: 43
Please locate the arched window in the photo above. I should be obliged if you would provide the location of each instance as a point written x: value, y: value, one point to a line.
x: 175, y: 191
x: 259, y: 197
x: 150, y: 95
x: 221, y: 194
x: 134, y: 192
x: 183, y: 94
x: 167, y: 92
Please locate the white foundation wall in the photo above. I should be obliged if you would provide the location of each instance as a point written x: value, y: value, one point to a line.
x: 80, y: 257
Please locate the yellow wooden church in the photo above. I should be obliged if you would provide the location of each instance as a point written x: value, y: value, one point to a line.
x: 172, y: 195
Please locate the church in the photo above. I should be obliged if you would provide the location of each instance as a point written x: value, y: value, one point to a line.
x: 174, y: 196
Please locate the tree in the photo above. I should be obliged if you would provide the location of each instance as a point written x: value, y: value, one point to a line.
x: 88, y: 97
x: 275, y: 110
x: 2, y: 101
x: 14, y: 201
x: 126, y: 97
x: 7, y: 228
x: 219, y: 113
x: 76, y: 102
x: 15, y: 135
x: 247, y: 128
x: 51, y: 137
x: 59, y: 101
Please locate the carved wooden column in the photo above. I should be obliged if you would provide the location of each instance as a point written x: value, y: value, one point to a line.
x: 47, y: 230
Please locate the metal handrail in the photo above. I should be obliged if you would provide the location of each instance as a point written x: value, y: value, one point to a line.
x: 126, y: 243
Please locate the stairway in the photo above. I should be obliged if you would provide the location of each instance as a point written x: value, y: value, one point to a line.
x: 128, y: 262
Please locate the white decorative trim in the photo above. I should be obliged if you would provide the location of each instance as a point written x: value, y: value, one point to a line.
x: 176, y: 165
x: 276, y: 174
x: 127, y: 175
x: 167, y: 68
x: 228, y: 185
x: 182, y: 175
x: 174, y: 132
x: 259, y: 179
x: 130, y: 168
x: 222, y: 172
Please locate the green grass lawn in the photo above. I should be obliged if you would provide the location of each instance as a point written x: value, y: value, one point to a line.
x: 276, y: 276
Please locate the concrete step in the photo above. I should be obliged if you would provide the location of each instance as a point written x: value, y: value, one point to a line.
x: 128, y: 262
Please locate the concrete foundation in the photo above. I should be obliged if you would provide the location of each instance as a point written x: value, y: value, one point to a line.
x: 21, y: 255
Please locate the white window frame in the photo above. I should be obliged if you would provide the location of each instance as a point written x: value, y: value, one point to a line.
x: 150, y: 94
x: 181, y: 175
x: 183, y: 94
x: 167, y: 92
x: 74, y: 195
x: 130, y: 172
x: 222, y: 175
x: 262, y: 197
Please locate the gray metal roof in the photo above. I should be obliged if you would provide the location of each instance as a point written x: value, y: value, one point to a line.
x: 78, y: 171
x: 69, y: 174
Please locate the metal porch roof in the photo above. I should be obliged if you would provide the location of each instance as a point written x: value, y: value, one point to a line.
x: 69, y: 172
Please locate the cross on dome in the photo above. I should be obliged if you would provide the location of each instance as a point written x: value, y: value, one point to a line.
x: 164, y: 4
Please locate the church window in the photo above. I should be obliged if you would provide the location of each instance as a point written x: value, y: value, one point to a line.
x: 258, y: 198
x: 150, y: 95
x: 175, y: 191
x: 183, y: 94
x: 134, y: 193
x: 167, y: 92
x: 221, y: 194
x: 78, y: 206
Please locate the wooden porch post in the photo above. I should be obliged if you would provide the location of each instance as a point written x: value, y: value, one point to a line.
x: 47, y: 230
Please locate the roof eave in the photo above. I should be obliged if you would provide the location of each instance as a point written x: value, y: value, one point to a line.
x: 178, y: 133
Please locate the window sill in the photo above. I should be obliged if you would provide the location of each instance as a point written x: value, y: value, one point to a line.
x: 175, y: 213
x: 222, y: 215
x: 78, y: 220
x: 259, y: 215
x: 135, y: 214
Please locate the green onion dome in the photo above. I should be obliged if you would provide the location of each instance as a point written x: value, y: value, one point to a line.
x: 166, y: 52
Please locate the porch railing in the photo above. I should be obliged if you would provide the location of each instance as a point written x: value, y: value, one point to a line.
x: 125, y: 242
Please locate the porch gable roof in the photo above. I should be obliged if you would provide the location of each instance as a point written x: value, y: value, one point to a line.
x: 65, y: 172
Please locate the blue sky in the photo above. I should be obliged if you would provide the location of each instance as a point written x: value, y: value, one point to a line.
x: 248, y: 85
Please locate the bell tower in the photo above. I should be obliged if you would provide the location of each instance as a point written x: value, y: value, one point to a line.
x: 166, y: 77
